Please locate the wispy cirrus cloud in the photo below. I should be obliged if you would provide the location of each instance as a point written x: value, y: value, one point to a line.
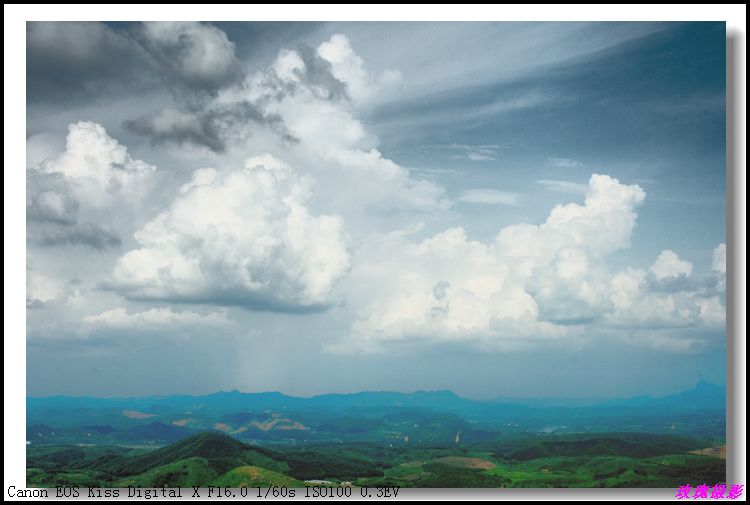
x: 487, y: 196
x: 480, y: 152
x: 564, y: 186
x: 564, y: 162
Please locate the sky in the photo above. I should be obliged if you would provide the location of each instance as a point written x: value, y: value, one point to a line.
x: 498, y: 209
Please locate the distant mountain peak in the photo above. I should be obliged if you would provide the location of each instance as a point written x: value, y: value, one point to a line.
x: 704, y: 384
x: 445, y: 393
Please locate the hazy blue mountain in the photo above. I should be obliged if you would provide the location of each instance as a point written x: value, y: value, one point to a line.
x: 703, y: 396
x: 373, y: 416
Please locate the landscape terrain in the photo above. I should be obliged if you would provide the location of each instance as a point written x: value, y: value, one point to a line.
x: 421, y: 439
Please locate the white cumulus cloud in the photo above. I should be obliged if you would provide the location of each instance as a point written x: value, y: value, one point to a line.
x: 96, y: 166
x: 669, y: 265
x: 331, y: 140
x: 547, y: 284
x: 348, y: 67
x: 240, y: 236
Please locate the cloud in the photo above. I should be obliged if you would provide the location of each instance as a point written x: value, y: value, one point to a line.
x: 239, y: 237
x: 571, y: 289
x: 304, y: 67
x: 483, y: 152
x: 242, y: 108
x: 669, y: 265
x: 330, y: 139
x: 46, y: 291
x: 302, y: 109
x: 564, y: 163
x: 195, y: 55
x: 53, y: 216
x: 79, y: 43
x: 87, y: 234
x: 237, y: 105
x: 97, y: 167
x: 157, y: 319
x: 486, y: 196
x: 68, y: 192
x: 720, y: 259
x: 52, y: 206
x: 349, y: 68
x: 444, y: 289
x: 564, y: 186
x: 534, y: 285
x: 79, y: 60
x: 668, y: 314
x: 333, y: 142
x: 602, y: 225
x: 214, y: 127
x: 117, y: 328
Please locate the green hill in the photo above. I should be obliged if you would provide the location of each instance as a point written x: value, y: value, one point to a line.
x: 637, y: 445
x: 222, y: 453
x: 530, y: 460
x: 183, y: 473
x: 253, y: 476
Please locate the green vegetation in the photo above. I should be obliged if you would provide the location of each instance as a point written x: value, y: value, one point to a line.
x: 182, y: 473
x: 221, y: 451
x: 253, y: 476
x: 421, y: 439
x: 584, y: 460
x: 637, y: 445
x: 612, y: 471
x: 326, y: 464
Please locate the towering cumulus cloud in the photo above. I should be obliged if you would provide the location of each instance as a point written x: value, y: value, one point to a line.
x: 98, y: 166
x: 70, y: 194
x: 533, y: 284
x: 239, y: 237
x: 302, y: 108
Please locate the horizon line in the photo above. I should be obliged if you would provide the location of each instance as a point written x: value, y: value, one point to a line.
x: 366, y: 391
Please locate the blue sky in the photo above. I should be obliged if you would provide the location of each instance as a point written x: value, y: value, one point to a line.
x: 499, y: 209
